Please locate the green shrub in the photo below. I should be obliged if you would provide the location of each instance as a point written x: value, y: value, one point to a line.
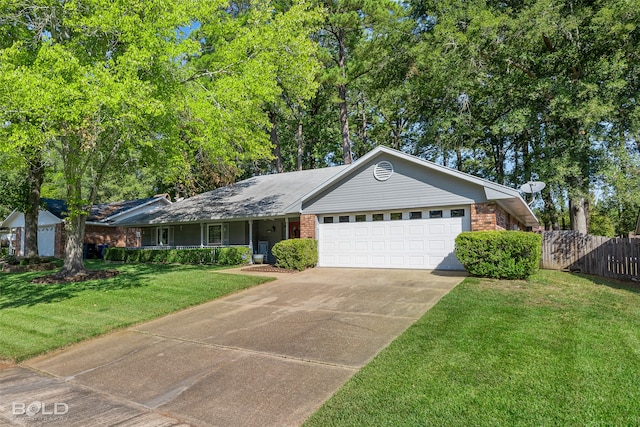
x: 224, y: 256
x: 12, y: 260
x: 4, y: 252
x: 499, y: 254
x: 234, y: 255
x: 115, y: 254
x: 296, y: 254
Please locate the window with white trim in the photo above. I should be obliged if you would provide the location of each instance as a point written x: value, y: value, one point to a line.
x: 214, y: 235
x: 162, y: 236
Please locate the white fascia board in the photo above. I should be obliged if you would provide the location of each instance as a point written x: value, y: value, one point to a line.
x: 16, y: 219
x: 9, y: 220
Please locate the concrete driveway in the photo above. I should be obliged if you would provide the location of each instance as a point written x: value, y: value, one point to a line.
x: 266, y: 356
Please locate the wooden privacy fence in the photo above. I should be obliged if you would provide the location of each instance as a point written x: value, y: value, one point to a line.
x: 615, y: 258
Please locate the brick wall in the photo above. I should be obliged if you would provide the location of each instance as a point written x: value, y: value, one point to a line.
x: 307, y: 226
x: 483, y: 216
x: 503, y: 219
x: 489, y: 216
x: 18, y: 241
x: 96, y: 234
x: 112, y: 236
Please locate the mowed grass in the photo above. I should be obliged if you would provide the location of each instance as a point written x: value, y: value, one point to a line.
x: 558, y: 349
x: 36, y: 318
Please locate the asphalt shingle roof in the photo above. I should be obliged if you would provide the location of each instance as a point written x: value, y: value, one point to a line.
x: 260, y: 196
x: 99, y: 212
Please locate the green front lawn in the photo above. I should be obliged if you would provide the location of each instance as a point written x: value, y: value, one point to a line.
x: 37, y: 318
x: 558, y: 349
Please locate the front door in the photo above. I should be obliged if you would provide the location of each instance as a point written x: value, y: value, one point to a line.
x: 294, y: 229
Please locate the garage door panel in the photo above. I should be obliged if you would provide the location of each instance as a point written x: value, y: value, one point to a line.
x: 361, y: 260
x: 329, y: 246
x: 378, y: 230
x: 361, y: 245
x: 377, y: 261
x: 416, y: 230
x: 417, y: 261
x: 436, y: 228
x: 397, y: 261
x: 437, y: 245
x: 416, y: 245
x: 396, y: 246
x: 378, y: 245
x: 423, y: 243
x: 345, y: 233
x: 397, y: 230
x: 361, y: 231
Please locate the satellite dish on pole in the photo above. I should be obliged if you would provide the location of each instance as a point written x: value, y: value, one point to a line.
x: 532, y: 187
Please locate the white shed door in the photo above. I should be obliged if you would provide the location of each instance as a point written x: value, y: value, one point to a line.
x: 416, y: 243
x: 46, y: 240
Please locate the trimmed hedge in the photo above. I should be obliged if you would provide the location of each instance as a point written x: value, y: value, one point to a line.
x: 233, y: 255
x: 296, y: 254
x: 499, y: 254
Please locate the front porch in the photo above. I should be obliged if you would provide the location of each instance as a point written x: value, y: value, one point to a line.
x: 258, y: 234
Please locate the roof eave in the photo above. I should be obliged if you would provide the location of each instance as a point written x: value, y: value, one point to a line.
x: 154, y: 200
x: 10, y: 217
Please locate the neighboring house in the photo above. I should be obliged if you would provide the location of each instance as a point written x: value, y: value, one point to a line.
x: 100, y: 228
x: 387, y: 210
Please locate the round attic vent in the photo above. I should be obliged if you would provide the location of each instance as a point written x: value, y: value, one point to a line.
x: 383, y: 170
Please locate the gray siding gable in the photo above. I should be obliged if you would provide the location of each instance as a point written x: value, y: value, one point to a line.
x: 410, y: 186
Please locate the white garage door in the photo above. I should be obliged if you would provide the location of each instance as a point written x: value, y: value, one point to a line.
x: 46, y: 240
x: 414, y: 243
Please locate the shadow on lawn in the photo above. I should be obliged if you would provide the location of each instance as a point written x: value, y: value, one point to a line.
x: 611, y: 283
x: 16, y: 289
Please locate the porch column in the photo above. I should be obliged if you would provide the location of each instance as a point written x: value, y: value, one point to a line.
x: 251, y: 240
x: 202, y: 234
x: 286, y: 228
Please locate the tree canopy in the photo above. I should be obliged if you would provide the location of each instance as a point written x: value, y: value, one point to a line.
x: 118, y: 99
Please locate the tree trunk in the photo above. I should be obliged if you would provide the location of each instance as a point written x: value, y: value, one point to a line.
x: 74, y: 228
x: 396, y: 131
x: 276, y: 143
x: 299, y: 140
x: 551, y: 223
x: 347, y: 158
x: 365, y: 136
x: 344, y: 125
x: 32, y: 210
x: 578, y: 211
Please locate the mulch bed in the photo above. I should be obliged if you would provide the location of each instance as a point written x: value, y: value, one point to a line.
x: 267, y: 268
x: 56, y: 279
